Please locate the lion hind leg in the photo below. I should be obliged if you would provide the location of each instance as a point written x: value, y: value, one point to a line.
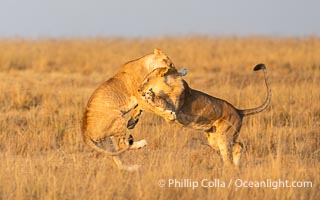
x: 212, y: 140
x: 222, y: 130
x: 131, y: 168
x: 227, y: 130
x: 237, y: 150
x: 219, y: 142
x: 120, y: 139
x: 225, y: 150
x: 121, y: 166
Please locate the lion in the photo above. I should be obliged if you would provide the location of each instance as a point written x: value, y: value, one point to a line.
x: 219, y: 119
x: 111, y: 103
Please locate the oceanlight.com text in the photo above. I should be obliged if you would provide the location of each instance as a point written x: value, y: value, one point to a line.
x: 236, y: 183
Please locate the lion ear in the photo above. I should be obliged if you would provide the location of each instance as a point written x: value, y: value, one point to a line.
x: 163, y: 71
x: 157, y: 52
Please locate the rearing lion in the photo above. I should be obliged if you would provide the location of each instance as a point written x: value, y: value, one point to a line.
x: 219, y: 119
x: 107, y: 109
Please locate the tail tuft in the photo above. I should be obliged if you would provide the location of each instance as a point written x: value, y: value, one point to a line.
x: 259, y: 67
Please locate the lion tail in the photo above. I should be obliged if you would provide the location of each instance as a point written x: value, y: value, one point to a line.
x: 266, y: 103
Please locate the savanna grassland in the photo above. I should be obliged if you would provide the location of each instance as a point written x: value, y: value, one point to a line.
x: 45, y: 84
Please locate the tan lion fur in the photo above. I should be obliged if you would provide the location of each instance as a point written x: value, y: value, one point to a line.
x: 219, y: 119
x: 110, y: 104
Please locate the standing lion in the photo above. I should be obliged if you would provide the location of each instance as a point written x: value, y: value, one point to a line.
x: 219, y: 119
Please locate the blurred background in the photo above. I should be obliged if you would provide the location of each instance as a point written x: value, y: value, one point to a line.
x: 145, y: 18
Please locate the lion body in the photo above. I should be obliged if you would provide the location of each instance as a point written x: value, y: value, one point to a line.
x: 108, y: 108
x: 219, y: 119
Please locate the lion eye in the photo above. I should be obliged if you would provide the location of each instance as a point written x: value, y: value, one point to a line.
x: 171, y: 65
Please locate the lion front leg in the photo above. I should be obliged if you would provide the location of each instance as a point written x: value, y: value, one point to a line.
x: 134, y: 119
x: 160, y: 105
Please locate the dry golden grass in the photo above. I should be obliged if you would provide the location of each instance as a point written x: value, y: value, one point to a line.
x: 45, y: 85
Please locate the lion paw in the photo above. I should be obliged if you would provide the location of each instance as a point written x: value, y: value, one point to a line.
x: 132, y: 123
x: 130, y: 168
x: 149, y: 95
x: 138, y: 144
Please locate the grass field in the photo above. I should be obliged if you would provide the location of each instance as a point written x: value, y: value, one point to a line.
x: 45, y: 85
